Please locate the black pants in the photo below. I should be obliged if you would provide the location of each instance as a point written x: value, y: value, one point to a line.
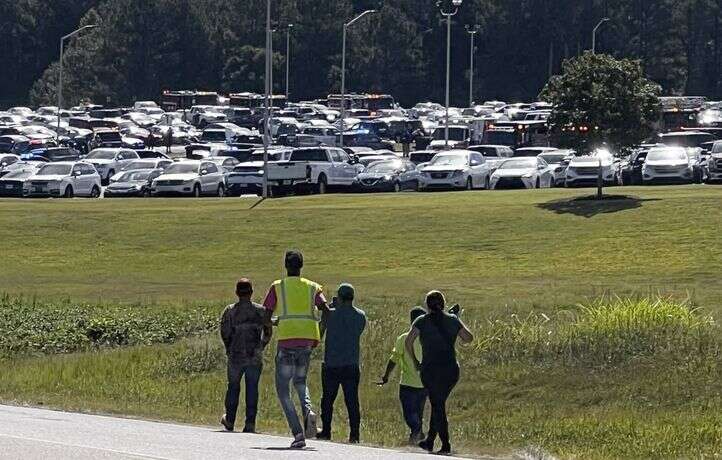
x: 439, y: 380
x: 346, y: 377
x: 235, y: 374
x: 413, y: 401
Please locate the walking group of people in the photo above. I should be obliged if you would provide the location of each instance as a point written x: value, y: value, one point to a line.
x: 298, y: 310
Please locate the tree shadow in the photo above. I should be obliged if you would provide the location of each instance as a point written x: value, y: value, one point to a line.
x: 589, y: 206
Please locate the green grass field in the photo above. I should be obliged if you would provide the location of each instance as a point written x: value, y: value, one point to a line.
x: 501, y: 255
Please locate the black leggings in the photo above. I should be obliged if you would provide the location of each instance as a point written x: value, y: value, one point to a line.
x: 439, y: 380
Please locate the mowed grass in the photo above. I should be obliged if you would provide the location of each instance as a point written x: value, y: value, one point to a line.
x: 586, y: 391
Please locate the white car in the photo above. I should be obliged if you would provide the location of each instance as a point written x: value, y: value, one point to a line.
x: 525, y: 172
x: 584, y: 170
x: 191, y: 177
x: 64, y: 179
x: 558, y: 161
x: 111, y: 160
x: 667, y: 164
x: 456, y: 169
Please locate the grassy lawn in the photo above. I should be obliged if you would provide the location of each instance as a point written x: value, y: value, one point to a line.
x: 498, y: 254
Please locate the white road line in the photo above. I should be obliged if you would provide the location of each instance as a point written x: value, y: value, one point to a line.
x: 81, y: 446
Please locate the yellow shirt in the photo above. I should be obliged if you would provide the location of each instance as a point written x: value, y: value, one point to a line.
x: 409, y: 375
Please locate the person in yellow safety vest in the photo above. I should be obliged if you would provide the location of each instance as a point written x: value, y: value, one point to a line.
x: 296, y: 302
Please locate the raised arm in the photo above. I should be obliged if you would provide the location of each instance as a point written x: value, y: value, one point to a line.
x: 465, y: 334
x: 410, y: 339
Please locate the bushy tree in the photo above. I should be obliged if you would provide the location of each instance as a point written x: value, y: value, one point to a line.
x: 609, y: 99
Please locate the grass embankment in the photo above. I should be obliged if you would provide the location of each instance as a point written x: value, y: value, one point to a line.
x: 635, y: 380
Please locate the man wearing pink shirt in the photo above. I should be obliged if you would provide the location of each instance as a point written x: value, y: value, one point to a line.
x: 296, y: 303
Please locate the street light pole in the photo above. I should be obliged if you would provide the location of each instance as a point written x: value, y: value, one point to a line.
x: 59, y: 89
x: 267, y: 107
x: 343, y: 68
x: 288, y: 56
x: 594, y: 34
x: 456, y: 4
x: 472, y: 32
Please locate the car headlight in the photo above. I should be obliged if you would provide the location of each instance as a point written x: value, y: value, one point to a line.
x: 388, y: 177
x: 260, y: 171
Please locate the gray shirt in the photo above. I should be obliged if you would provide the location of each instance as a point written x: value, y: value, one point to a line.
x: 344, y: 326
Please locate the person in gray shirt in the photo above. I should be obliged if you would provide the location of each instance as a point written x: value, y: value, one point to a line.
x: 342, y: 327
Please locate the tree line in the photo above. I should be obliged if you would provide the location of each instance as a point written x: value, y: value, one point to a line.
x: 145, y: 46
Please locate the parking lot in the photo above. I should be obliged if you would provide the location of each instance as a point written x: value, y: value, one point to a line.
x: 175, y: 148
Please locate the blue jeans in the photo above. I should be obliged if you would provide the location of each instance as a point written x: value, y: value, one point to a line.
x: 292, y: 366
x: 413, y: 401
x: 235, y: 374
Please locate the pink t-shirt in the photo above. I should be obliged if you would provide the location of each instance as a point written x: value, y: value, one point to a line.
x: 270, y: 303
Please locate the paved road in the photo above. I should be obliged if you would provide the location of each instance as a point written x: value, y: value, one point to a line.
x: 30, y: 434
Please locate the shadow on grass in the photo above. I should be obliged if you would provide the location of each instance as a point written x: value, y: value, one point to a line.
x: 589, y: 206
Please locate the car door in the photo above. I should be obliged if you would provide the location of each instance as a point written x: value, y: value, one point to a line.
x: 79, y: 182
x: 409, y: 175
x: 348, y: 171
x: 208, y: 174
x: 546, y: 175
x: 89, y: 176
x: 479, y: 169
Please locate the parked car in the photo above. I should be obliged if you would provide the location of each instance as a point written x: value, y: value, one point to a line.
x: 525, y: 172
x: 632, y: 169
x: 225, y: 163
x: 458, y: 137
x: 493, y: 154
x: 456, y: 169
x: 15, y: 144
x: 714, y: 163
x: 532, y: 151
x: 422, y: 156
x: 584, y: 170
x: 315, y: 169
x: 245, y: 178
x: 147, y: 163
x: 64, y: 179
x: 12, y: 183
x: 7, y: 160
x: 387, y: 176
x: 52, y: 154
x: 132, y: 183
x: 190, y: 177
x: 558, y: 160
x: 108, y: 161
x: 105, y: 137
x: 667, y: 165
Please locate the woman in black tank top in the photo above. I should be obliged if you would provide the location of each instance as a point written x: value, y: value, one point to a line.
x: 437, y: 331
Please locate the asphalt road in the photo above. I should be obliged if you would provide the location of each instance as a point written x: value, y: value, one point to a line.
x: 29, y: 434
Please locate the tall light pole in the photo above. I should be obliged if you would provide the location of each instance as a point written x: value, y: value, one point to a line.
x: 448, y: 14
x: 343, y: 67
x: 288, y: 56
x: 472, y: 32
x: 266, y: 103
x: 594, y: 34
x: 59, y: 89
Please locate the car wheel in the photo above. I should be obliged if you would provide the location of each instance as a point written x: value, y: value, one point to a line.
x: 538, y: 183
x: 487, y: 183
x: 221, y: 191
x: 68, y: 192
x: 397, y: 187
x: 146, y: 193
x: 322, y: 186
x: 469, y: 184
x: 95, y: 192
x: 197, y: 191
x: 417, y: 186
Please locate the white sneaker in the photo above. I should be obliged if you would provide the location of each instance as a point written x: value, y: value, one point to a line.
x: 311, y: 428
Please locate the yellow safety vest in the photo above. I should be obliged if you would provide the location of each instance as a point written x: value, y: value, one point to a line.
x: 296, y: 308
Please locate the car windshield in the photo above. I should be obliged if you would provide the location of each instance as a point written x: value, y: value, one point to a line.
x: 54, y: 170
x: 101, y: 155
x: 666, y: 155
x: 109, y: 136
x: 553, y: 157
x: 522, y: 163
x: 526, y: 153
x: 182, y: 168
x: 384, y: 167
x: 449, y: 160
x: 134, y: 176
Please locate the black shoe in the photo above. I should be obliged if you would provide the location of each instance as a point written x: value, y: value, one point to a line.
x: 226, y: 425
x: 354, y: 440
x: 249, y: 429
x: 426, y: 445
x: 445, y: 450
x: 323, y: 435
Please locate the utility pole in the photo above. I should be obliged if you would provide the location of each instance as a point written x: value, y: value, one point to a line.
x: 59, y: 89
x: 472, y: 32
x: 594, y: 34
x: 288, y: 56
x: 267, y: 105
x: 448, y: 14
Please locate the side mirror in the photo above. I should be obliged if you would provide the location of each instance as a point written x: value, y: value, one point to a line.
x: 76, y: 173
x: 204, y: 172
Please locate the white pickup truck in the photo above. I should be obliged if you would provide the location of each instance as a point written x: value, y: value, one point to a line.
x: 314, y: 169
